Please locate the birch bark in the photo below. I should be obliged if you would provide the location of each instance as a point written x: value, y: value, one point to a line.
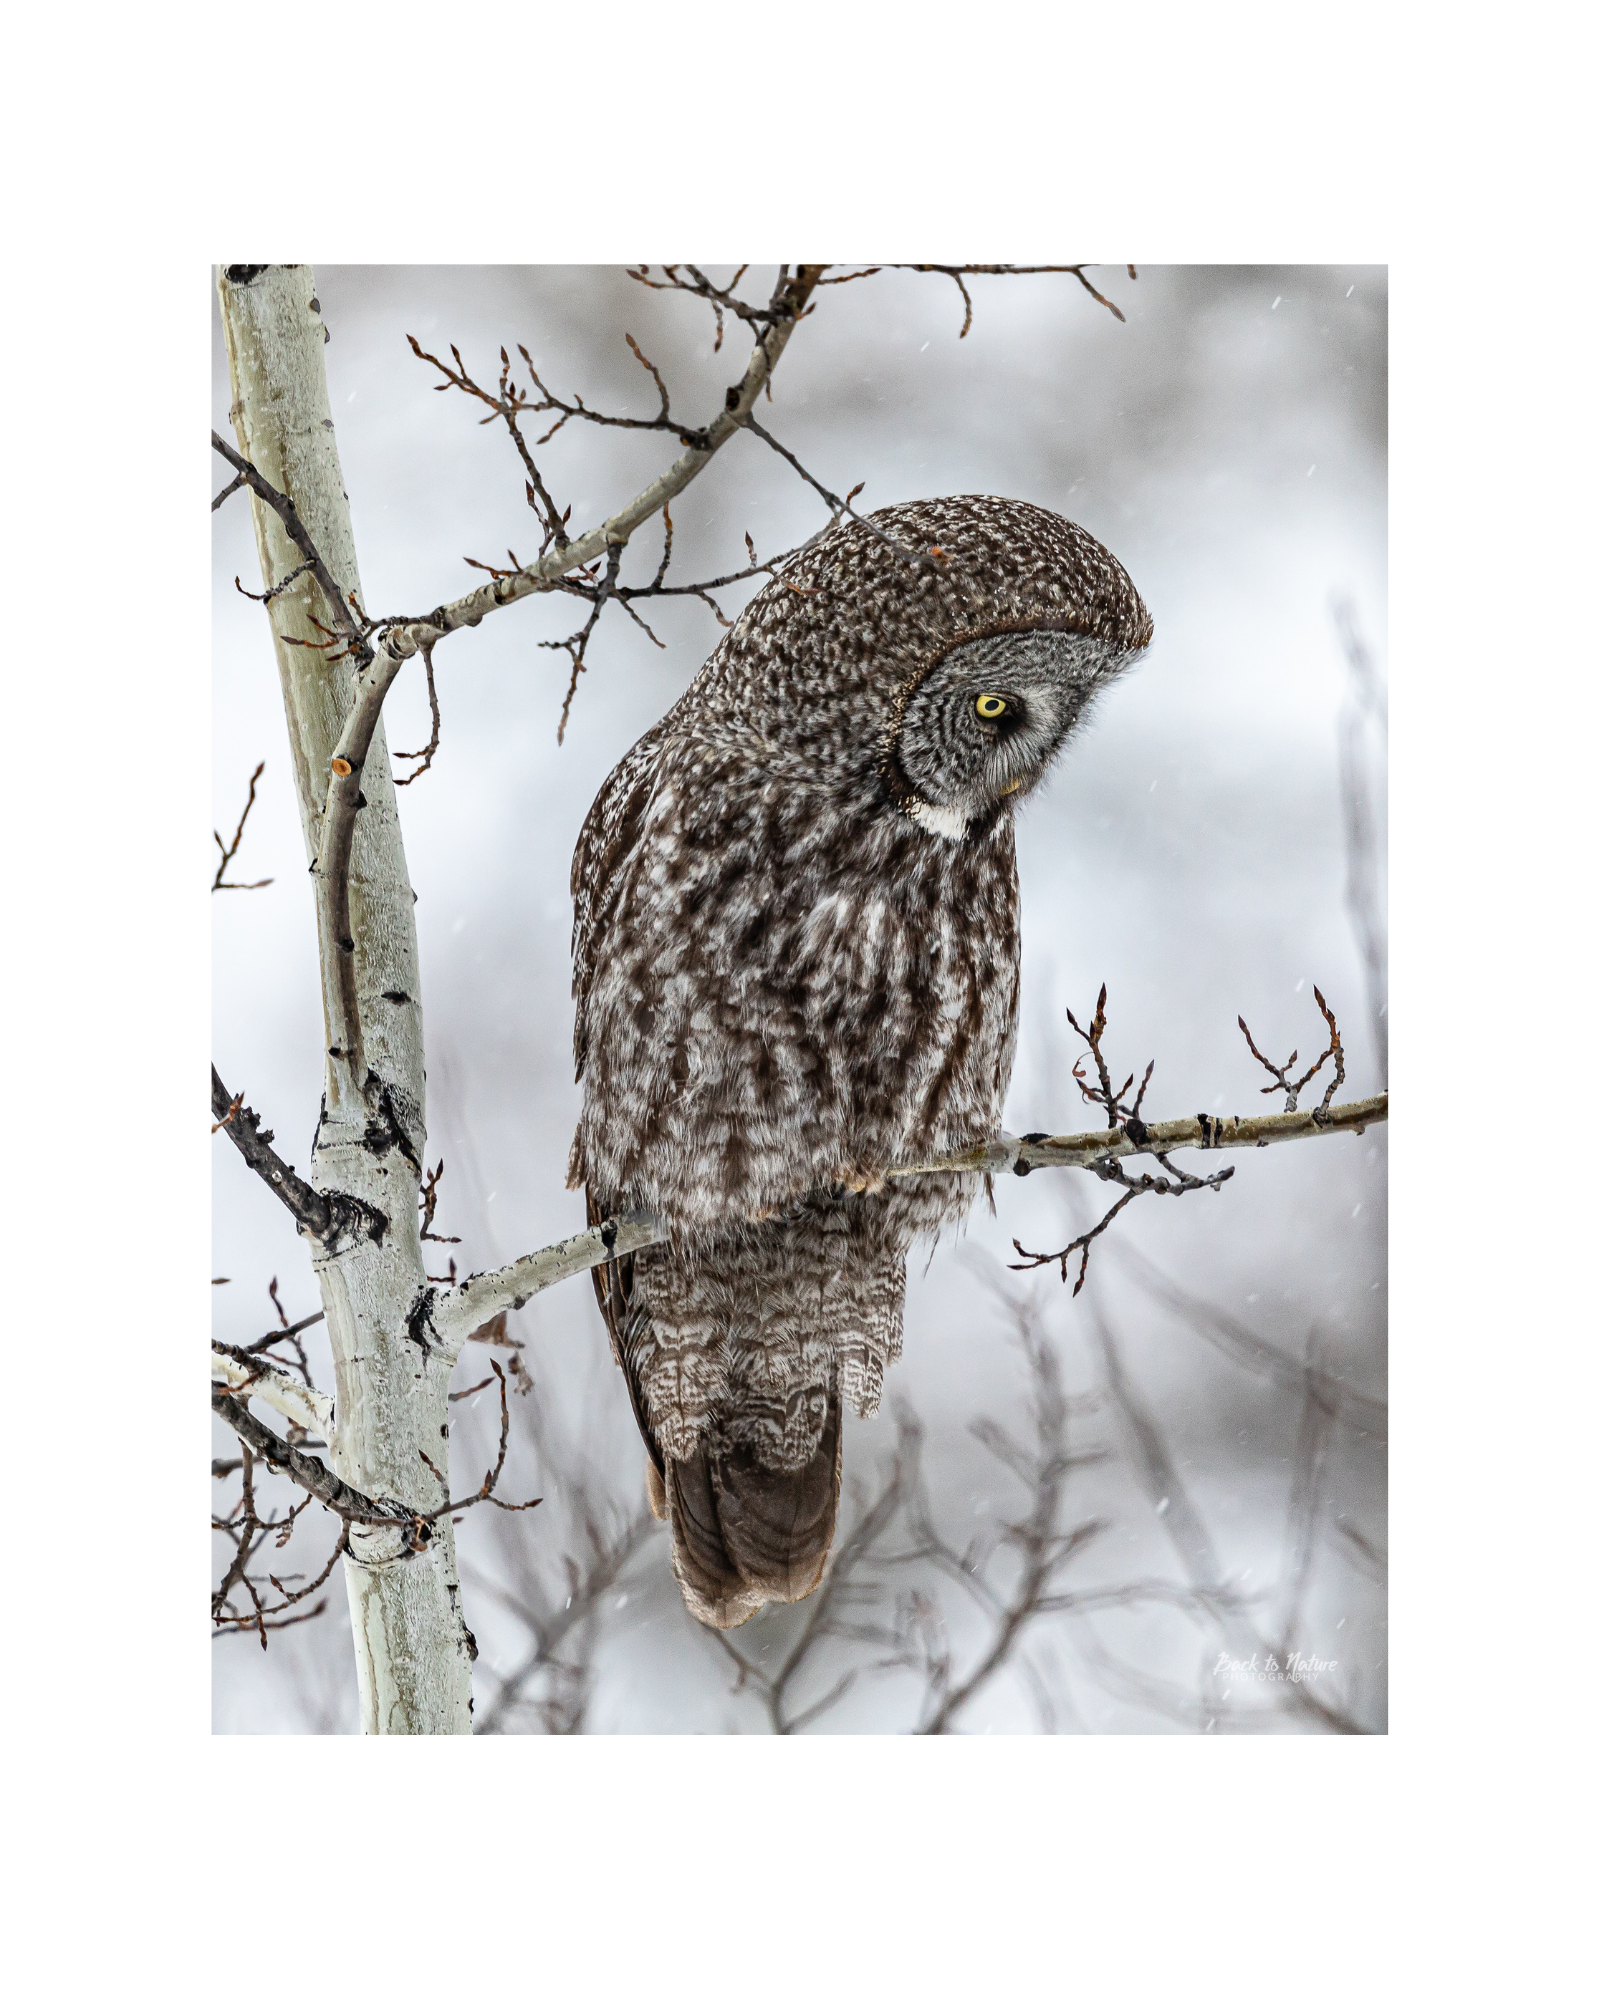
x: 413, y: 1649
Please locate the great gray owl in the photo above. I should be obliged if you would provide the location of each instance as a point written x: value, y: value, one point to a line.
x: 795, y: 953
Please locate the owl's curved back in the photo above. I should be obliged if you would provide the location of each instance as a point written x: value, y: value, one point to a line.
x: 823, y: 659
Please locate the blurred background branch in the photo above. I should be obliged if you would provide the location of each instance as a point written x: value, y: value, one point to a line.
x: 1363, y: 794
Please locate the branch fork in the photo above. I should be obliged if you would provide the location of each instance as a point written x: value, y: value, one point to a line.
x: 1124, y: 1121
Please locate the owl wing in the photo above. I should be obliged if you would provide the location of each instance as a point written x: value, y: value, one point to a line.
x: 626, y: 1322
x: 599, y: 866
x: 743, y: 1534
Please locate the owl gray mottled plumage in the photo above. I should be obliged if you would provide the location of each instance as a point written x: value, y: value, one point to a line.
x: 796, y: 955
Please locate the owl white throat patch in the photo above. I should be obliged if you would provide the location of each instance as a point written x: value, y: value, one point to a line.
x: 945, y: 820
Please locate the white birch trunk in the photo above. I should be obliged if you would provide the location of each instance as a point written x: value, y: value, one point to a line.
x: 413, y: 1649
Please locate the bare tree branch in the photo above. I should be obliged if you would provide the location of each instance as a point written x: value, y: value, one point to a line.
x: 285, y: 1332
x: 295, y: 528
x: 313, y: 1477
x: 429, y: 1199
x: 1044, y: 1547
x: 479, y: 1297
x: 789, y: 302
x: 331, y: 873
x: 228, y: 852
x: 1292, y: 1086
x: 342, y: 1499
x: 243, y: 1127
x: 1319, y: 1413
x: 1209, y: 1134
x: 244, y: 1375
x: 1121, y: 1117
x: 426, y: 754
x: 578, y: 643
x: 458, y: 1312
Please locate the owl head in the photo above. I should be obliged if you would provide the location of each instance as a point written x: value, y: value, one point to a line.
x: 984, y: 723
x: 929, y: 660
x: 1037, y: 618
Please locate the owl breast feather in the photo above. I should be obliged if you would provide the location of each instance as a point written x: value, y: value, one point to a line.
x: 779, y: 992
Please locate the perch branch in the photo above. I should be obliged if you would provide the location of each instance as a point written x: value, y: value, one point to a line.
x: 459, y: 1312
x: 1085, y: 1149
x: 480, y: 1297
x: 1124, y: 1118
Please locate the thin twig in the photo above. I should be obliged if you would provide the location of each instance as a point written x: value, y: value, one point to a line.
x: 1292, y: 1086
x: 280, y: 503
x: 428, y: 1199
x: 229, y: 851
x: 426, y: 754
x: 543, y: 574
x: 576, y: 645
x: 959, y: 273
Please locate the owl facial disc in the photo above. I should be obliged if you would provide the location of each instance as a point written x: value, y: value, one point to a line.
x: 982, y: 726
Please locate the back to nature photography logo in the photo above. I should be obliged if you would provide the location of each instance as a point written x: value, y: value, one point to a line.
x: 1293, y: 1667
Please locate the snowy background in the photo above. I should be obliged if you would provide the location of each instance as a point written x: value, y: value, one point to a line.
x: 1228, y: 444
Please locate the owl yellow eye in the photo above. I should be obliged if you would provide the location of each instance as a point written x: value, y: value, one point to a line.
x: 991, y: 706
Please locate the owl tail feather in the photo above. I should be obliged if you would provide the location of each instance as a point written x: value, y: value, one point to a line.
x: 744, y: 1535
